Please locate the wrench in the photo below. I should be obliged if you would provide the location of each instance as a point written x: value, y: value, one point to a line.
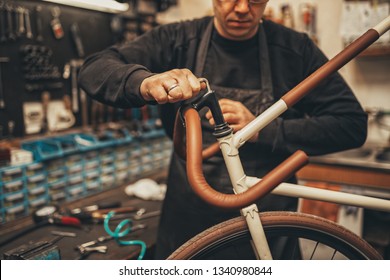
x: 100, y: 239
x: 10, y: 22
x: 39, y: 24
x: 3, y: 32
x: 27, y: 20
x: 85, y: 251
x: 20, y: 18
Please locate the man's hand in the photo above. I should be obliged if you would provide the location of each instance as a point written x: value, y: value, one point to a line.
x: 171, y: 86
x: 235, y: 114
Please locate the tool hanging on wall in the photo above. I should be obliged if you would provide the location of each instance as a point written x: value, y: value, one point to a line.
x: 79, y: 97
x: 2, y: 102
x: 14, y: 22
x: 3, y: 35
x: 21, y: 29
x: 75, y: 90
x: 27, y: 20
x: 39, y: 24
x: 55, y: 23
x: 45, y: 99
x: 74, y: 65
x: 76, y: 36
x: 84, y: 108
x: 10, y: 22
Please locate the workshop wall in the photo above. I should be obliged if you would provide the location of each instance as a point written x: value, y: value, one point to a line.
x: 368, y: 76
x: 42, y: 46
x: 35, y: 62
x: 60, y: 145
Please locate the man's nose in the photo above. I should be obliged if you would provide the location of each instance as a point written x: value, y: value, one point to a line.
x: 242, y: 6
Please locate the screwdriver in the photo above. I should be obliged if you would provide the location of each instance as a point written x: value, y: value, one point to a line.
x: 47, y: 215
x: 99, y: 215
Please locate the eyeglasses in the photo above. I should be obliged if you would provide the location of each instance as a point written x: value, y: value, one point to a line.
x: 254, y: 2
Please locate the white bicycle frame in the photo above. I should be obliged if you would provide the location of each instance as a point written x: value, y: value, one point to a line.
x: 230, y: 145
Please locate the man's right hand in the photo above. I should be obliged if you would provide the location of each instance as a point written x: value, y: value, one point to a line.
x: 171, y: 86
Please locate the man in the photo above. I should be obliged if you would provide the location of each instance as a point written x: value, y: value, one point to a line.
x: 250, y: 63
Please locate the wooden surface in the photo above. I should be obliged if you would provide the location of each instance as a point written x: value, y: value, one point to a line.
x: 345, y: 175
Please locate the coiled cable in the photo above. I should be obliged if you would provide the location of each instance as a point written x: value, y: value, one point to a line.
x: 120, y: 231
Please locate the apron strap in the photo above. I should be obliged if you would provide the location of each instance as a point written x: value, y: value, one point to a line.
x: 203, y: 49
x: 265, y: 68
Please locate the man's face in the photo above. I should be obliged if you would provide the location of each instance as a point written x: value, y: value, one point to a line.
x: 237, y: 20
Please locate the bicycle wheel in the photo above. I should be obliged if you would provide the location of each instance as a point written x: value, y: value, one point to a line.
x: 290, y: 235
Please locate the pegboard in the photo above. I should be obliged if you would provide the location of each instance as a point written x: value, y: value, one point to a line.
x: 20, y: 53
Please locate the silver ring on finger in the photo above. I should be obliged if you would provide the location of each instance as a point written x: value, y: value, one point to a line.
x: 172, y: 87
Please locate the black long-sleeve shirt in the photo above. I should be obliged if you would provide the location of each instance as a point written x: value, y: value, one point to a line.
x: 328, y: 119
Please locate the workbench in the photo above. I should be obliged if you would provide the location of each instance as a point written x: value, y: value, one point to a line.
x: 88, y: 231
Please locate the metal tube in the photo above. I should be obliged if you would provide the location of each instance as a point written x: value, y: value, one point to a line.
x: 246, y: 133
x: 300, y: 191
x: 383, y: 26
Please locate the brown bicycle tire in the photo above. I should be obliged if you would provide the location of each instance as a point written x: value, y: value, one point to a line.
x: 209, y: 237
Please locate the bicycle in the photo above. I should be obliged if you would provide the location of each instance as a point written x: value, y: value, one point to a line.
x: 261, y: 231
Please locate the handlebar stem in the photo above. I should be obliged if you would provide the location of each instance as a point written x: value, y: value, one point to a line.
x: 209, y: 100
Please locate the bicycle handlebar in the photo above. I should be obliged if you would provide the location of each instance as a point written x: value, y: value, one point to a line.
x: 180, y: 147
x: 231, y: 201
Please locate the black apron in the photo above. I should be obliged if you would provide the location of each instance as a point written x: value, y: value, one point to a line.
x: 184, y: 214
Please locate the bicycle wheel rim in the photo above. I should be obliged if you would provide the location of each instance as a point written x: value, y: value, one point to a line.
x: 234, y: 232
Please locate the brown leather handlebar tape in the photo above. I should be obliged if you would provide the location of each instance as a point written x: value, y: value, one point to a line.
x: 178, y: 136
x: 231, y: 201
x: 179, y: 145
x: 360, y: 44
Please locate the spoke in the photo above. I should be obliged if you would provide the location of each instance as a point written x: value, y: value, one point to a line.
x: 315, y: 248
x: 294, y: 250
x: 334, y: 254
